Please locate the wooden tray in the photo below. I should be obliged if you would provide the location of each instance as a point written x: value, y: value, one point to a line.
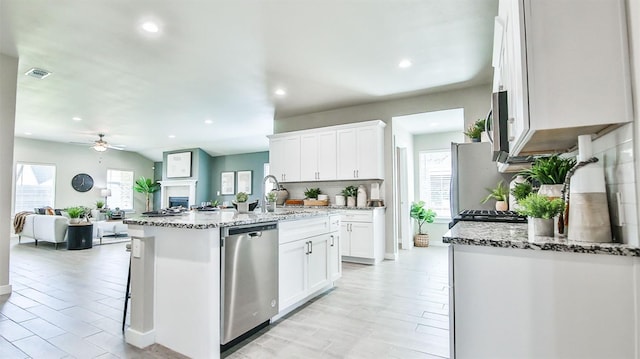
x: 316, y: 202
x: 294, y: 202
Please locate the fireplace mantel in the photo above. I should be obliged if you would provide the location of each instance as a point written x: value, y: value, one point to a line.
x: 183, y: 188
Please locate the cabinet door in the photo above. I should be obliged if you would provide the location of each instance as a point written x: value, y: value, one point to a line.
x: 327, y: 155
x: 309, y: 157
x: 347, y: 156
x: 345, y: 241
x: 284, y: 157
x: 335, y: 258
x: 362, y: 240
x: 292, y: 273
x: 369, y: 153
x: 318, y: 268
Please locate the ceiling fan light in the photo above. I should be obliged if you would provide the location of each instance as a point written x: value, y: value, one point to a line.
x: 100, y: 147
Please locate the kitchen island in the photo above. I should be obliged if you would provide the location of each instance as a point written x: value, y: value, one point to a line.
x: 546, y: 298
x: 175, y: 276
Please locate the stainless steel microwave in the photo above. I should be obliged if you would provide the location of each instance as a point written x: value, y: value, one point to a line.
x: 497, y: 123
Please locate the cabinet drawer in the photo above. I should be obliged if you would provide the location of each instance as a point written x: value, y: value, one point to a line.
x: 357, y: 216
x: 289, y: 231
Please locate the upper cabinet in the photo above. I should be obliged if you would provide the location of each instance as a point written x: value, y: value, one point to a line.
x: 344, y: 152
x: 284, y: 158
x: 360, y: 153
x: 318, y: 156
x: 565, y: 67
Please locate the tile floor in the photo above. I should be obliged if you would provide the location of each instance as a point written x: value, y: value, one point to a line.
x: 68, y: 304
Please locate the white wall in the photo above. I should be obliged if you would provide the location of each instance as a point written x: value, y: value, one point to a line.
x: 73, y: 159
x: 431, y: 142
x: 633, y: 13
x: 475, y: 101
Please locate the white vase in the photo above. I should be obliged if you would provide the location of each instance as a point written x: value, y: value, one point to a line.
x: 340, y: 200
x: 351, y: 201
x: 243, y: 207
x: 551, y: 190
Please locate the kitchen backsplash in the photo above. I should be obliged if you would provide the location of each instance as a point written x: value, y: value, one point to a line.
x: 615, y: 151
x: 332, y: 188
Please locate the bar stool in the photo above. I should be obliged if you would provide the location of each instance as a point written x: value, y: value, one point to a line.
x: 127, y: 294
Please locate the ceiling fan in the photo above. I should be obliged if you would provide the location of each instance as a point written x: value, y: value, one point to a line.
x: 101, y: 145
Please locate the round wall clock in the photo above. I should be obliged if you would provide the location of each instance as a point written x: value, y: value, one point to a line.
x: 82, y: 182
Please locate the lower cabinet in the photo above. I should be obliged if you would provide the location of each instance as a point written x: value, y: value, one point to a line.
x: 308, y: 262
x: 362, y: 236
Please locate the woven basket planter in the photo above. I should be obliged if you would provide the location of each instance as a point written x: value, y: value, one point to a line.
x: 421, y: 240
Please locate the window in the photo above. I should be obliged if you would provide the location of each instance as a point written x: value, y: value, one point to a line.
x: 435, y: 178
x: 121, y: 185
x: 35, y: 186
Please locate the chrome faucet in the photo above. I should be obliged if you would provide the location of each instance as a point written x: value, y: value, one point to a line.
x: 263, y: 207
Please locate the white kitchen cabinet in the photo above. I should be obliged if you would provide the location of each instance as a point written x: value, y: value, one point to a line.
x: 284, y: 157
x: 318, y: 156
x: 565, y: 67
x: 362, y: 235
x: 361, y: 152
x: 306, y: 263
x: 335, y: 256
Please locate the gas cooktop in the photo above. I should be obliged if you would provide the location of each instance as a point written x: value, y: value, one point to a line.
x: 486, y: 215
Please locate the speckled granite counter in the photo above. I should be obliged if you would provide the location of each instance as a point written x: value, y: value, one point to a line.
x: 514, y: 235
x: 332, y: 207
x: 225, y: 218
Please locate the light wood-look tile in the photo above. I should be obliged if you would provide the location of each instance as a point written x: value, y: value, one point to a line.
x: 69, y: 304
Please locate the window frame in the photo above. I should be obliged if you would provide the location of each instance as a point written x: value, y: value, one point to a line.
x: 439, y: 217
x: 15, y: 183
x: 109, y: 183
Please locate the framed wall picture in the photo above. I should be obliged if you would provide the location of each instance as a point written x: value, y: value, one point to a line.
x: 227, y: 183
x: 244, y: 181
x: 179, y: 165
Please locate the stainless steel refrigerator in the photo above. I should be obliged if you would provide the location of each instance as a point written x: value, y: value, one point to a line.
x: 472, y: 172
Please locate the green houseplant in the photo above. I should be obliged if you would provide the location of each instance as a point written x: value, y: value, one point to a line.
x: 99, y: 204
x: 147, y: 187
x: 474, y: 132
x: 271, y: 198
x: 422, y: 216
x: 350, y: 192
x: 541, y: 210
x: 312, y: 193
x: 501, y: 194
x: 241, y: 202
x: 549, y: 172
x: 74, y: 214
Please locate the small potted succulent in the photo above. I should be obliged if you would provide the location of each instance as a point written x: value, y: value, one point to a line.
x: 74, y: 214
x: 312, y: 193
x: 271, y: 199
x: 541, y: 210
x: 501, y: 194
x: 350, y: 192
x: 241, y: 202
x: 474, y: 132
x: 99, y: 204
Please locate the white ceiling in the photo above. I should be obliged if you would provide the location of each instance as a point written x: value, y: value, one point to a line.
x: 432, y: 122
x: 222, y: 60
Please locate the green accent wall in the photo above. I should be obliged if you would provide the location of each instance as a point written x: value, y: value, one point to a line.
x: 203, y: 187
x: 253, y: 162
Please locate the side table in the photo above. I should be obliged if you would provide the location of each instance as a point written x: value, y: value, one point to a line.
x: 80, y: 236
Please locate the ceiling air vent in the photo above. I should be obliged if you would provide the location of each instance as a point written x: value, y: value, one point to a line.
x: 38, y: 73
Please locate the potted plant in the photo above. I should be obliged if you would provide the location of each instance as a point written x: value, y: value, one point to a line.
x: 146, y: 186
x: 520, y: 191
x: 549, y: 172
x: 422, y: 216
x: 99, y: 204
x: 541, y: 210
x: 312, y: 193
x: 350, y: 192
x: 74, y: 214
x: 241, y: 202
x: 474, y: 132
x: 501, y: 194
x: 271, y: 200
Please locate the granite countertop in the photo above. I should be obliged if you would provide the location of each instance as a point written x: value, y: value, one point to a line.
x: 514, y: 235
x: 225, y: 218
x: 330, y: 207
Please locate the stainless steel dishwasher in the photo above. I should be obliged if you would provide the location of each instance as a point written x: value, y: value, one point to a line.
x: 248, y: 278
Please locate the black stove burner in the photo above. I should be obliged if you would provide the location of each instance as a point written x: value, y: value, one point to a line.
x: 486, y: 215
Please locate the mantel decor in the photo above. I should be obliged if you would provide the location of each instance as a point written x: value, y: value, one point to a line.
x: 244, y: 181
x: 179, y: 165
x: 227, y: 183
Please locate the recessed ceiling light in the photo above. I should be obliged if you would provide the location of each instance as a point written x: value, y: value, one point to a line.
x: 28, y: 133
x: 404, y: 63
x: 172, y: 136
x: 208, y: 122
x: 280, y: 92
x: 150, y: 27
x: 76, y: 118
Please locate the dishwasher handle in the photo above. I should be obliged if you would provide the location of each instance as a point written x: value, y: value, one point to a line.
x: 255, y: 234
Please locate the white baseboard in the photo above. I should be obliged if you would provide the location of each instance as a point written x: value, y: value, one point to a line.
x: 5, y: 289
x: 391, y: 256
x: 138, y: 339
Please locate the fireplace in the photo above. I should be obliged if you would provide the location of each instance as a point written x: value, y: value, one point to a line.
x: 177, y: 189
x: 179, y: 201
